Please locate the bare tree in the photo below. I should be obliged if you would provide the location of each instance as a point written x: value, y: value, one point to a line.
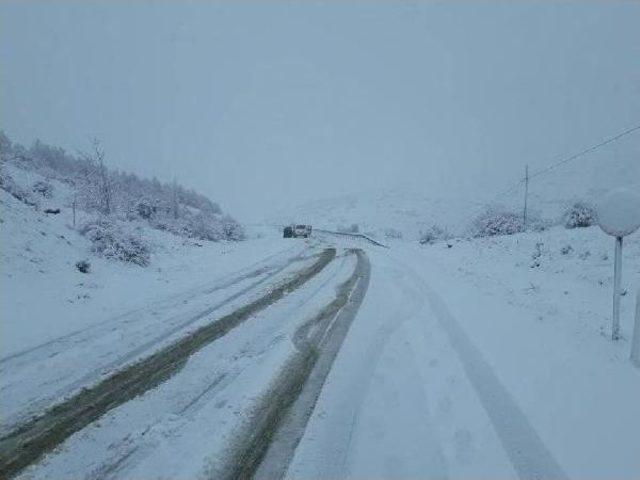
x: 175, y: 205
x: 97, y: 188
x: 99, y: 176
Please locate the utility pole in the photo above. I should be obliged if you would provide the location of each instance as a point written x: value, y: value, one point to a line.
x: 75, y: 201
x: 617, y: 289
x: 526, y: 194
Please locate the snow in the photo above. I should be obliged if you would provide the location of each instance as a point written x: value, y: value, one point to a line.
x: 470, y: 359
x: 619, y: 212
x: 186, y: 427
x: 481, y: 361
x: 40, y: 284
x: 379, y: 213
x: 545, y: 331
x: 412, y: 209
x: 63, y: 330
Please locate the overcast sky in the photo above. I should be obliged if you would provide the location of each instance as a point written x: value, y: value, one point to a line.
x: 260, y: 103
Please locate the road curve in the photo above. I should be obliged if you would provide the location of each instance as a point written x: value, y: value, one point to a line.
x: 31, y: 440
x: 279, y: 422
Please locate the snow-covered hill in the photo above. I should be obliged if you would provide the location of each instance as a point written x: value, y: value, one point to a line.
x: 381, y: 213
x: 45, y: 294
x: 410, y: 211
x: 531, y: 319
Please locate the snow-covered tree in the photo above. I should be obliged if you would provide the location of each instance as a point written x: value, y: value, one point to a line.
x: 97, y: 188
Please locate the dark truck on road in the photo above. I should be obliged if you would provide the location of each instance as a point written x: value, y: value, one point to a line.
x: 297, y: 231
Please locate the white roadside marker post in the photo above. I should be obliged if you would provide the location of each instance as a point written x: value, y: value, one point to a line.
x: 617, y: 289
x: 635, y: 341
x: 618, y: 216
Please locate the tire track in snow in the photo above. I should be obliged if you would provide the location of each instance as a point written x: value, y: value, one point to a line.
x: 281, y: 418
x: 45, y: 349
x: 29, y: 407
x: 529, y: 455
x: 345, y: 410
x: 129, y: 452
x: 132, y: 354
x: 30, y: 441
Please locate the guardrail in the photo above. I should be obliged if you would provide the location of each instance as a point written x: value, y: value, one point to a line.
x: 353, y: 235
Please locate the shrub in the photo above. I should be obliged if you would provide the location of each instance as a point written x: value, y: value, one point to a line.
x: 83, y: 266
x: 566, y: 250
x: 10, y: 186
x: 201, y: 227
x: 95, y: 187
x: 145, y: 210
x: 580, y: 215
x: 495, y: 221
x: 231, y: 229
x: 111, y: 241
x: 537, y: 255
x: 43, y: 188
x: 433, y: 234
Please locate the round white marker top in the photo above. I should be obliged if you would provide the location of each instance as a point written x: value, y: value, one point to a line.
x: 619, y: 212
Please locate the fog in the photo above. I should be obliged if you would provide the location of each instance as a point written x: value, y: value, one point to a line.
x: 262, y: 104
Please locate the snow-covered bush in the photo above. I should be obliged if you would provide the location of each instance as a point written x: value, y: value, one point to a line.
x: 496, y: 221
x: 566, y: 250
x: 434, y: 234
x: 43, y: 188
x: 145, y: 210
x: 203, y: 226
x: 584, y: 255
x: 83, y: 266
x: 537, y: 255
x: 231, y: 229
x: 579, y: 215
x: 97, y: 188
x: 10, y: 186
x: 112, y: 241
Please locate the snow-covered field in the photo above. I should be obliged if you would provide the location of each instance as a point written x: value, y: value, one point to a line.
x: 484, y: 358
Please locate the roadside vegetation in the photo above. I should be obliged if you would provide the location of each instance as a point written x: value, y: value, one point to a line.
x: 112, y: 207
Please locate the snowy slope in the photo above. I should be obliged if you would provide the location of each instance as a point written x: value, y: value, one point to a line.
x: 484, y: 358
x: 45, y: 296
x: 489, y: 359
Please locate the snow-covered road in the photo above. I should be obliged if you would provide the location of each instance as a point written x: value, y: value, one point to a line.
x: 374, y: 417
x: 410, y: 396
x: 382, y: 363
x: 222, y: 386
x: 38, y: 376
x: 441, y: 377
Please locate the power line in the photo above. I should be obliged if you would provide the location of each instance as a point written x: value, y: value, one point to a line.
x: 553, y: 166
x: 583, y: 152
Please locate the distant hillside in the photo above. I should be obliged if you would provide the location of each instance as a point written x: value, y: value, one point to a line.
x: 381, y: 214
x: 389, y: 212
x: 110, y: 194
